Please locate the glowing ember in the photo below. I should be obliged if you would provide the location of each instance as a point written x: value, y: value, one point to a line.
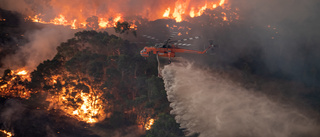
x: 214, y: 6
x: 148, y: 125
x: 9, y: 134
x: 12, y: 84
x: 224, y: 16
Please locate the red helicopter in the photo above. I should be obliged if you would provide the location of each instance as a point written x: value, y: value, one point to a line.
x: 169, y: 48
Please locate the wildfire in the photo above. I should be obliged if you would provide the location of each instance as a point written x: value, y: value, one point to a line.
x: 221, y: 2
x: 61, y: 20
x: 117, y: 18
x: 84, y: 105
x: 192, y: 12
x: 22, y: 72
x: 180, y: 9
x: 74, y: 23
x: 9, y: 134
x: 103, y: 23
x: 148, y: 125
x: 76, y: 14
x: 166, y: 13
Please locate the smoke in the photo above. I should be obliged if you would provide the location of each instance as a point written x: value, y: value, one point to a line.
x: 206, y: 102
x: 12, y: 110
x: 41, y: 46
x: 280, y: 37
x: 19, y: 6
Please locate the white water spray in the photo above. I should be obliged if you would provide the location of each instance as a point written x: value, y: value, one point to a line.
x: 205, y: 103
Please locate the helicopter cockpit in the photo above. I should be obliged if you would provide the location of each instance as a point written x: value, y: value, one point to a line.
x: 144, y: 52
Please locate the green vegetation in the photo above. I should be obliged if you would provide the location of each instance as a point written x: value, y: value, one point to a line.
x: 110, y: 64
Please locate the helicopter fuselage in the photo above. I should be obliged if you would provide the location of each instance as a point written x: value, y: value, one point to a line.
x: 167, y: 52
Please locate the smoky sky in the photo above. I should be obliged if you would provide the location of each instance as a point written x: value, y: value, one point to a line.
x: 272, y: 38
x: 281, y: 35
x: 277, y: 39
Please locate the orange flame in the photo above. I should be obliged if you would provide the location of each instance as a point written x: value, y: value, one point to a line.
x: 73, y: 25
x: 202, y: 9
x: 192, y: 12
x: 181, y: 8
x: 214, y: 6
x: 117, y: 19
x: 11, y: 87
x: 85, y: 106
x: 221, y: 2
x: 74, y: 14
x: 167, y: 12
x: 61, y: 20
x: 9, y: 134
x: 22, y: 72
x: 148, y: 125
x: 103, y: 23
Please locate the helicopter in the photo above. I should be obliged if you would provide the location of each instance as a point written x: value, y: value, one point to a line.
x: 170, y: 48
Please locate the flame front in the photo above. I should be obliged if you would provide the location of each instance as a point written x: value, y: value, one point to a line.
x: 181, y: 8
x: 74, y: 23
x: 76, y: 13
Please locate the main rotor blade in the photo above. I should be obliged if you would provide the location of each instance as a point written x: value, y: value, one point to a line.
x: 173, y: 34
x: 150, y: 37
x: 186, y: 39
x: 182, y: 44
x: 143, y: 42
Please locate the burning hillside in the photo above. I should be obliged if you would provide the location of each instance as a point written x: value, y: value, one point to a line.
x: 13, y: 84
x: 85, y: 83
x: 102, y: 14
x: 60, y: 82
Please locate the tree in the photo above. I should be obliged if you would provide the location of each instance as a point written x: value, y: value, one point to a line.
x: 124, y: 27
